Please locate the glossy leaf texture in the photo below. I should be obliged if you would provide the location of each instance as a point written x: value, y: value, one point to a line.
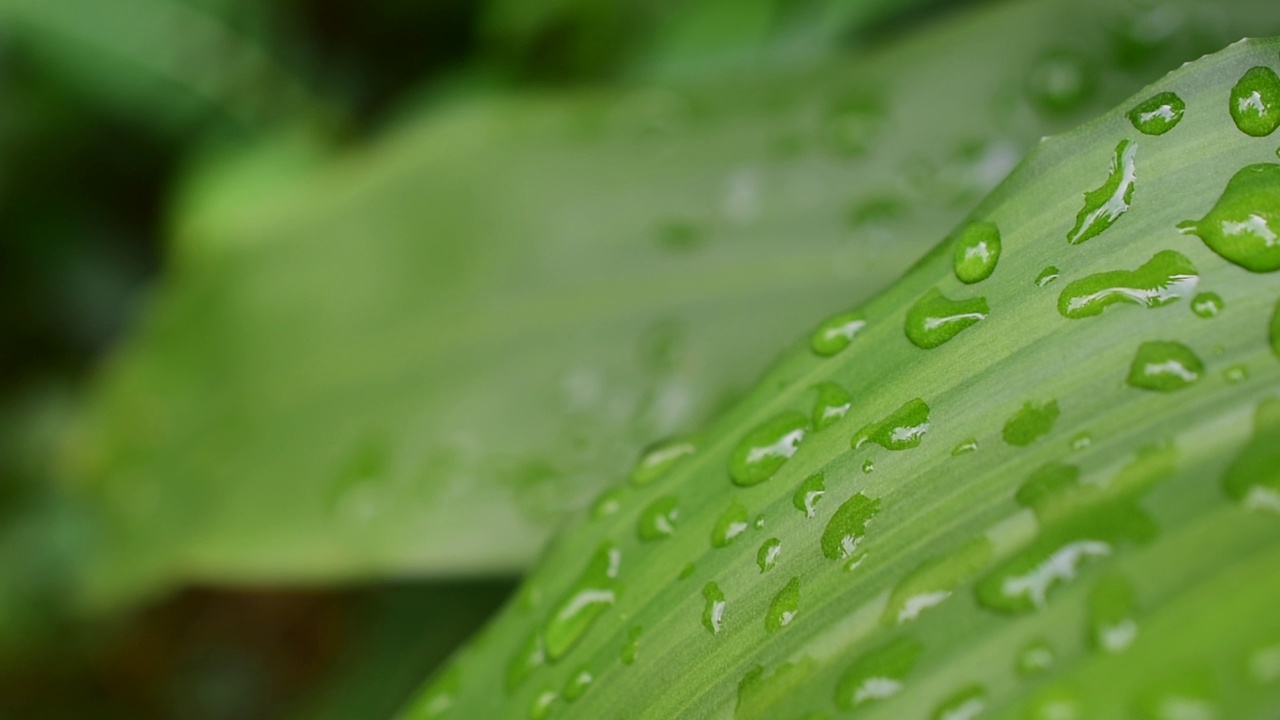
x: 1051, y: 513
x: 421, y: 359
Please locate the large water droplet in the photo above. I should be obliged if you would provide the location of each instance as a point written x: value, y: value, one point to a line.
x: 713, y: 610
x: 595, y: 591
x: 934, y: 318
x: 1255, y: 102
x: 577, y: 684
x: 1253, y: 478
x: 832, y: 403
x: 1167, y: 276
x: 1112, y: 627
x: 658, y: 519
x: 1060, y: 82
x: 847, y: 526
x: 964, y: 704
x: 1158, y: 114
x: 631, y: 648
x: 902, y: 430
x: 1035, y: 657
x: 1207, y: 305
x: 784, y: 606
x: 1047, y: 276
x: 977, y: 252
x: 933, y: 581
x: 732, y: 523
x: 1164, y: 366
x: 764, y: 450
x: 808, y: 495
x: 1030, y: 423
x: 836, y: 332
x: 660, y: 458
x: 767, y: 557
x: 878, y: 674
x: 1105, y: 205
x: 1244, y: 224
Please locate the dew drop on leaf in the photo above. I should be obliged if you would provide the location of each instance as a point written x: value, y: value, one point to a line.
x: 687, y: 571
x: 832, y: 403
x: 764, y: 450
x: 732, y: 523
x: 847, y: 526
x: 1030, y: 423
x: 595, y: 591
x: 1112, y: 627
x: 658, y: 519
x: 530, y: 656
x: 440, y: 697
x: 713, y: 610
x: 965, y: 704
x: 1164, y: 366
x: 901, y: 430
x: 1060, y: 82
x: 1206, y: 305
x: 879, y: 674
x: 1253, y: 477
x: 1255, y: 102
x: 836, y: 332
x: 784, y: 606
x: 1163, y: 279
x: 1047, y: 276
x: 1035, y: 657
x: 1106, y: 204
x: 1236, y: 374
x: 868, y: 466
x: 965, y: 447
x: 808, y: 494
x: 577, y: 684
x: 540, y: 708
x: 1158, y: 114
x: 631, y: 648
x: 1056, y: 702
x: 1244, y: 224
x: 977, y: 251
x: 934, y: 318
x: 767, y: 557
x: 1081, y: 441
x: 660, y: 458
x: 609, y: 503
x: 933, y: 581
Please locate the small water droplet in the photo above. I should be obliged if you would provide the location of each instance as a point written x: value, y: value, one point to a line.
x: 878, y: 674
x: 660, y: 458
x: 686, y: 571
x: 1056, y: 702
x: 934, y: 580
x: 767, y: 557
x: 902, y: 430
x: 1253, y: 477
x: 1244, y: 224
x: 809, y: 493
x: 868, y: 466
x: 1163, y: 279
x: 764, y: 450
x: 847, y: 526
x: 595, y: 591
x: 1236, y: 374
x: 758, y: 523
x: 1106, y: 204
x: 965, y: 447
x: 1035, y: 657
x: 1206, y: 305
x: 1060, y: 82
x: 1164, y: 366
x: 1157, y: 115
x: 836, y: 332
x: 934, y: 318
x: 1255, y: 102
x: 713, y: 611
x: 609, y: 503
x: 832, y: 403
x: 783, y: 607
x: 658, y: 520
x: 631, y: 648
x: 528, y: 657
x: 1047, y: 276
x: 977, y: 252
x: 540, y: 708
x: 577, y: 684
x: 440, y: 697
x: 1030, y: 423
x: 964, y: 704
x: 1081, y: 441
x: 731, y: 524
x: 1112, y: 627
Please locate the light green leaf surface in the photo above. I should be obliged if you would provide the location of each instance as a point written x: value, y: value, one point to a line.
x: 1017, y: 522
x: 420, y: 360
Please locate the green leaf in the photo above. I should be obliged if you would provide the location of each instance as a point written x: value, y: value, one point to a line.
x: 1095, y: 546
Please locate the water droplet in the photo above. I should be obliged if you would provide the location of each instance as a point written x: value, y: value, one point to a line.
x: 934, y: 318
x: 1236, y: 374
x: 878, y: 674
x: 1164, y: 366
x: 933, y: 581
x: 964, y: 704
x: 631, y: 648
x: 1105, y: 205
x: 1060, y: 82
x: 1081, y: 441
x: 680, y: 235
x: 1056, y: 702
x: 783, y: 608
x: 764, y: 450
x: 528, y: 657
x: 577, y: 684
x: 440, y: 697
x: 1206, y: 305
x: 868, y: 466
x: 1255, y: 102
x: 1158, y: 114
x: 1244, y: 224
x: 594, y: 592
x: 731, y: 523
x: 847, y: 526
x: 1167, y: 276
x: 660, y: 458
x: 808, y: 495
x: 836, y: 332
x: 1112, y: 628
x: 1253, y: 478
x: 977, y: 252
x: 759, y: 694
x: 1030, y: 423
x: 1047, y: 276
x: 1183, y: 697
x: 965, y: 447
x: 832, y: 403
x: 713, y: 611
x: 1035, y: 657
x: 758, y: 523
x: 609, y: 503
x: 658, y: 520
x: 686, y: 571
x: 540, y: 708
x: 902, y: 430
x: 767, y: 557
